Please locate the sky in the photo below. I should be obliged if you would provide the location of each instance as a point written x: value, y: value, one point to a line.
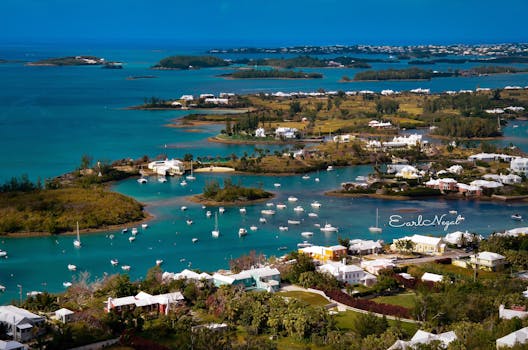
x: 264, y: 22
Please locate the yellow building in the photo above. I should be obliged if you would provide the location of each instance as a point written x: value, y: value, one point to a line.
x: 325, y: 254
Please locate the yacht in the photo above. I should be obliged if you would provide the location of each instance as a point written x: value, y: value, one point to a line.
x: 298, y: 209
x: 294, y: 222
x: 144, y: 226
x: 315, y: 204
x: 208, y: 214
x: 292, y: 199
x: 306, y: 177
x: 77, y: 242
x: 114, y: 262
x: 221, y: 210
x: 283, y: 228
x: 66, y: 284
x: 328, y: 228
x: 215, y: 232
x: 162, y: 179
x: 263, y: 220
x: 242, y: 210
x: 125, y: 267
x: 376, y: 229
x: 159, y: 262
x: 313, y: 215
x: 125, y: 230
x: 183, y: 183
x: 281, y: 206
x: 267, y: 212
x: 189, y: 222
x: 304, y: 244
x: 307, y: 234
x: 317, y: 179
x: 194, y: 240
x: 134, y: 231
x: 183, y: 208
x: 191, y: 177
x: 516, y: 217
x: 142, y: 180
x: 3, y: 254
x: 277, y: 184
x: 329, y: 168
x: 453, y: 212
x: 72, y: 267
x: 253, y: 228
x: 2, y: 288
x: 242, y: 232
x: 131, y: 239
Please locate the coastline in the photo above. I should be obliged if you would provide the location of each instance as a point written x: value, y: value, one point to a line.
x: 249, y: 142
x: 200, y: 200
x: 453, y: 196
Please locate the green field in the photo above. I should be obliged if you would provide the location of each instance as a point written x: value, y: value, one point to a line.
x: 310, y: 298
x: 406, y: 300
x: 345, y: 321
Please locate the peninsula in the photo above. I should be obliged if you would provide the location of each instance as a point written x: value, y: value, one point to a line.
x: 270, y: 74
x: 230, y: 194
x: 70, y: 61
x: 190, y: 62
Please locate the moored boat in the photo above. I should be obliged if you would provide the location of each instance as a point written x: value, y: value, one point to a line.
x: 516, y: 217
x: 298, y: 209
x: 307, y: 234
x: 328, y: 228
x: 114, y: 262
x: 125, y: 267
x: 242, y: 232
x: 294, y: 222
x: 292, y: 199
x: 72, y: 267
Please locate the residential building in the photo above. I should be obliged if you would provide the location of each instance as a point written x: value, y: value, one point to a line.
x: 375, y: 266
x: 365, y: 247
x: 167, y: 167
x: 324, y: 254
x: 187, y: 97
x: 508, y: 314
x: 432, y: 277
x: 509, y: 179
x: 260, y: 132
x: 519, y: 165
x: 458, y: 237
x: 488, y: 261
x: 160, y: 303
x: 422, y: 337
x: 486, y: 184
x: 379, y: 125
x: 350, y: 274
x: 444, y: 184
x: 519, y: 337
x: 490, y: 157
x: 408, y: 172
x: 217, y: 101
x: 423, y: 244
x: 264, y: 278
x: 64, y: 315
x: 11, y: 345
x: 343, y: 138
x: 469, y: 190
x: 21, y: 324
x: 187, y: 274
x: 287, y: 133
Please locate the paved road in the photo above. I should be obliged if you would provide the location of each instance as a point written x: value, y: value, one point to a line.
x: 453, y: 254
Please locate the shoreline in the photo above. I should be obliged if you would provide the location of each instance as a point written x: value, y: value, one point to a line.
x: 197, y: 198
x: 215, y: 139
x: 442, y: 137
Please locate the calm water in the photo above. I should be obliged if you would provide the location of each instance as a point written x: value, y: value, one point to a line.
x: 51, y: 116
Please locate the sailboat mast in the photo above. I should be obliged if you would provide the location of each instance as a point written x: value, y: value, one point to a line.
x: 78, y: 237
x: 377, y: 217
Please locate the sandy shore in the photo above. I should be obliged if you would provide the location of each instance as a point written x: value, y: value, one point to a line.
x: 215, y: 169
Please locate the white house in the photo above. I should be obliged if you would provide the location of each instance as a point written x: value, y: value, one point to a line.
x: 508, y: 314
x: 343, y: 138
x: 515, y: 338
x: 187, y: 274
x: 167, y: 166
x: 287, y: 133
x: 509, y: 179
x: 456, y: 237
x: 363, y: 247
x: 408, y: 172
x: 422, y: 337
x: 64, y: 315
x: 260, y: 132
x: 160, y: 303
x: 490, y: 157
x: 379, y: 125
x: 423, y: 244
x: 11, y: 345
x: 421, y: 91
x: 187, y: 97
x: 486, y: 184
x: 519, y: 165
x: 264, y: 278
x: 21, y: 324
x: 488, y: 261
x: 375, y: 266
x: 351, y: 274
x: 217, y: 101
x: 432, y: 277
x: 455, y: 169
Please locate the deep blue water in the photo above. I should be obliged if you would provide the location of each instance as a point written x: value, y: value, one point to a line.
x: 51, y: 116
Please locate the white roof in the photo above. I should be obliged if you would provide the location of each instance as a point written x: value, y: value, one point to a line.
x: 143, y: 299
x: 420, y: 239
x: 187, y: 274
x: 490, y: 256
x: 520, y: 337
x: 432, y: 277
x: 422, y: 337
x: 10, y: 345
x: 10, y: 313
x: 359, y: 244
x: 485, y: 183
x: 64, y: 312
x: 448, y: 180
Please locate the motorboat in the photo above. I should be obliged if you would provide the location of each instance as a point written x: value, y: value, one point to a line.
x: 144, y: 226
x: 203, y: 206
x: 313, y: 215
x: 317, y: 179
x: 72, y: 267
x: 189, y: 222
x: 306, y: 177
x: 242, y: 210
x: 263, y: 220
x: 304, y: 244
x: 376, y: 229
x: 270, y: 204
x: 253, y: 228
x: 194, y: 240
x: 267, y: 212
x: 162, y: 179
x: 159, y: 262
x: 2, y: 288
x: 77, y: 242
x: 292, y: 199
x: 516, y: 217
x: 221, y: 210
x: 315, y: 204
x: 277, y: 184
x: 134, y: 231
x: 242, y: 232
x: 281, y: 206
x: 131, y: 239
x: 328, y: 228
x: 3, y: 254
x: 125, y: 267
x: 283, y: 228
x: 114, y: 262
x: 183, y: 183
x: 183, y: 208
x: 208, y: 214
x: 66, y: 284
x: 329, y: 168
x: 142, y: 180
x: 125, y: 230
x: 453, y: 212
x: 307, y: 234
x: 215, y: 232
x: 294, y: 222
x: 298, y: 209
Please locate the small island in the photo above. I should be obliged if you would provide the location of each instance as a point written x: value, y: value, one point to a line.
x: 270, y: 74
x: 231, y: 194
x: 70, y: 61
x: 190, y: 62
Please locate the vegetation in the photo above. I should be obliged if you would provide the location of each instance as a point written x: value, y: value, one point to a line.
x: 395, y: 74
x: 271, y: 74
x: 288, y: 63
x: 69, y: 61
x: 467, y: 128
x: 190, y: 62
x: 232, y: 192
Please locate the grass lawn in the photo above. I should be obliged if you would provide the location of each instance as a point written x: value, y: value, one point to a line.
x: 310, y: 298
x: 290, y: 344
x: 345, y: 321
x: 406, y: 300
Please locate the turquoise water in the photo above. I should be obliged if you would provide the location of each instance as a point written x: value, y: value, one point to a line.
x: 51, y: 116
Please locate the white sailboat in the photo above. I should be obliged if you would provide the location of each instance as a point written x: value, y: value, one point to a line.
x: 191, y: 177
x: 376, y: 229
x: 77, y: 242
x: 215, y: 232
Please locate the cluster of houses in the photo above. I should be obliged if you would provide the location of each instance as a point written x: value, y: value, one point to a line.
x: 400, y: 142
x: 280, y: 133
x: 167, y: 167
x: 222, y: 99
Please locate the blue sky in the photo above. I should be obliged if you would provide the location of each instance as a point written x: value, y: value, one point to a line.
x: 271, y: 22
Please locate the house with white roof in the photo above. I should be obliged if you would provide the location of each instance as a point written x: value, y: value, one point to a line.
x: 364, y: 247
x: 375, y: 266
x: 217, y: 101
x: 458, y: 236
x: 509, y: 179
x: 490, y: 157
x: 469, y: 190
x: 350, y: 274
x: 519, y: 337
x: 488, y: 261
x: 508, y: 314
x: 21, y: 324
x: 161, y: 303
x: 64, y: 315
x: 423, y: 244
x: 519, y: 165
x: 486, y: 184
x: 423, y: 337
x: 432, y: 277
x: 11, y: 345
x: 444, y: 184
x: 455, y: 169
x: 379, y: 125
x: 264, y: 278
x: 408, y: 172
x: 260, y: 132
x: 284, y: 132
x: 187, y: 97
x: 343, y: 138
x: 167, y: 167
x: 324, y: 254
x: 187, y: 274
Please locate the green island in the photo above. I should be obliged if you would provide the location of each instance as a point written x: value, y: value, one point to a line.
x: 312, y: 62
x: 82, y: 196
x: 69, y: 61
x: 190, y: 62
x: 230, y: 194
x: 270, y: 74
